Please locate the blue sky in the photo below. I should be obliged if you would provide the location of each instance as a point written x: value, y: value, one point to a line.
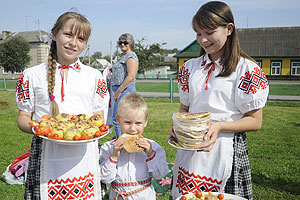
x: 157, y: 20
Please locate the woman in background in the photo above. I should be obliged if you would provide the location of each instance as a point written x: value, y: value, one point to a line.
x: 123, y: 74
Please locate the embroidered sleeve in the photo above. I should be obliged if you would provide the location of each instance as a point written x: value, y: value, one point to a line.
x: 157, y: 163
x: 183, y: 84
x: 101, y: 97
x: 24, y: 93
x: 252, y: 88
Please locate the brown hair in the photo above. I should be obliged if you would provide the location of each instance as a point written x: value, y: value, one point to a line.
x: 216, y: 14
x: 81, y: 26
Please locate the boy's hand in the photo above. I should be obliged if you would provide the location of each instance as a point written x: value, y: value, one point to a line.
x: 144, y: 143
x: 118, y: 146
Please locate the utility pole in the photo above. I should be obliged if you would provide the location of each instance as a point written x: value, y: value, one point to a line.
x: 89, y: 55
x: 110, y: 53
x: 26, y: 22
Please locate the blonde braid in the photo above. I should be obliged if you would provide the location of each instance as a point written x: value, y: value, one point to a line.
x: 51, y: 77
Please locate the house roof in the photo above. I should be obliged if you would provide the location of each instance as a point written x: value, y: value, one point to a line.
x: 102, y: 62
x: 260, y: 42
x: 271, y: 42
x: 30, y: 36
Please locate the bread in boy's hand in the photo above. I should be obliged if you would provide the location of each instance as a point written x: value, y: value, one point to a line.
x: 130, y: 145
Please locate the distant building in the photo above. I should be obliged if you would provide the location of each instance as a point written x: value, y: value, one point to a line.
x: 101, y: 63
x: 38, y: 49
x: 276, y: 50
x: 163, y: 71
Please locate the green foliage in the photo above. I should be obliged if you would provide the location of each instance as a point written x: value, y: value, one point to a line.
x: 149, y: 55
x: 87, y: 61
x: 174, y: 50
x: 107, y: 58
x: 14, y: 54
x: 97, y: 55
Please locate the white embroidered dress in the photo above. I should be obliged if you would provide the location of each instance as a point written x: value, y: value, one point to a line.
x: 227, y: 99
x: 66, y: 171
x: 133, y: 167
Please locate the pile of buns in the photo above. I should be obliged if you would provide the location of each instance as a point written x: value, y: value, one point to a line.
x: 190, y: 128
x: 68, y: 126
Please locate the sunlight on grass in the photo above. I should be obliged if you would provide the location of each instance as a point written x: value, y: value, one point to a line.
x: 274, y: 150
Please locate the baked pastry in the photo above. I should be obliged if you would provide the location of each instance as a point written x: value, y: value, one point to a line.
x: 64, y: 117
x: 81, y: 125
x: 62, y: 125
x: 71, y: 132
x: 190, y: 128
x: 60, y: 132
x: 48, y: 123
x: 96, y: 119
x: 90, y: 130
x: 81, y: 117
x: 130, y: 145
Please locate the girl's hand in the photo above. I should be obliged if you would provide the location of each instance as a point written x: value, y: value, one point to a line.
x: 118, y: 147
x: 211, y: 136
x: 171, y: 133
x: 144, y: 143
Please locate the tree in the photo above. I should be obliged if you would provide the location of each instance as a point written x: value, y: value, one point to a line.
x: 97, y: 55
x: 14, y: 54
x: 149, y: 55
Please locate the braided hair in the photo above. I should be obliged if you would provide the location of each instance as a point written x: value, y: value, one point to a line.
x: 81, y: 26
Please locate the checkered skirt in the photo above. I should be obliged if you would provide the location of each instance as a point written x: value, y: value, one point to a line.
x: 32, y: 184
x: 239, y: 182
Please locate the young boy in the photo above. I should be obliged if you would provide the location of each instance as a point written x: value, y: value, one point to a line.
x: 130, y: 173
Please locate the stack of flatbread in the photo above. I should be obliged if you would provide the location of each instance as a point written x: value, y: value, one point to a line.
x: 190, y: 128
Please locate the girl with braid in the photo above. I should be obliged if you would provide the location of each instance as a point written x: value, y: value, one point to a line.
x: 62, y: 85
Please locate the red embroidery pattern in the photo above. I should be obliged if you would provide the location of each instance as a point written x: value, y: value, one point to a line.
x: 151, y: 157
x: 190, y: 183
x: 101, y: 88
x: 253, y: 81
x: 183, y: 78
x: 22, y: 89
x: 81, y: 188
x: 77, y: 66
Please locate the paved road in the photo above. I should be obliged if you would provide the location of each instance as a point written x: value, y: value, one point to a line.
x: 272, y: 82
x: 176, y: 95
x: 271, y: 97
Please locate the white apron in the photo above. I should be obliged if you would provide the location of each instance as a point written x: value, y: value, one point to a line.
x: 78, y: 175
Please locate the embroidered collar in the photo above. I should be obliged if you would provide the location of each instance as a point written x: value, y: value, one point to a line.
x: 210, y: 66
x: 76, y: 65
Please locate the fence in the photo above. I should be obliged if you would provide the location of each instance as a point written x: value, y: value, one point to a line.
x: 8, y: 84
x: 154, y: 76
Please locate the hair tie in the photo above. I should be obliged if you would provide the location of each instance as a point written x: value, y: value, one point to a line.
x: 52, y: 97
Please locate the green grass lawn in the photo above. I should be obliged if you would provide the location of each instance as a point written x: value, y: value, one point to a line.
x: 274, y: 150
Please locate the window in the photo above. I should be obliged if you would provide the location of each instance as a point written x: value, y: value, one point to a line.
x: 259, y: 62
x: 295, y: 69
x: 275, y: 68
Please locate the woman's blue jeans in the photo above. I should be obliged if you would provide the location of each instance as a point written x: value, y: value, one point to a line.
x: 131, y: 88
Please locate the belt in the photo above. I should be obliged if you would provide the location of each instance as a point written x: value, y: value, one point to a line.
x: 114, y: 186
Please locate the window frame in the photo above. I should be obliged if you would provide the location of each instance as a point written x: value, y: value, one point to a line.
x: 280, y: 67
x: 292, y: 67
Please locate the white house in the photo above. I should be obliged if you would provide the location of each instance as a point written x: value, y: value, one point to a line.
x: 101, y: 63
